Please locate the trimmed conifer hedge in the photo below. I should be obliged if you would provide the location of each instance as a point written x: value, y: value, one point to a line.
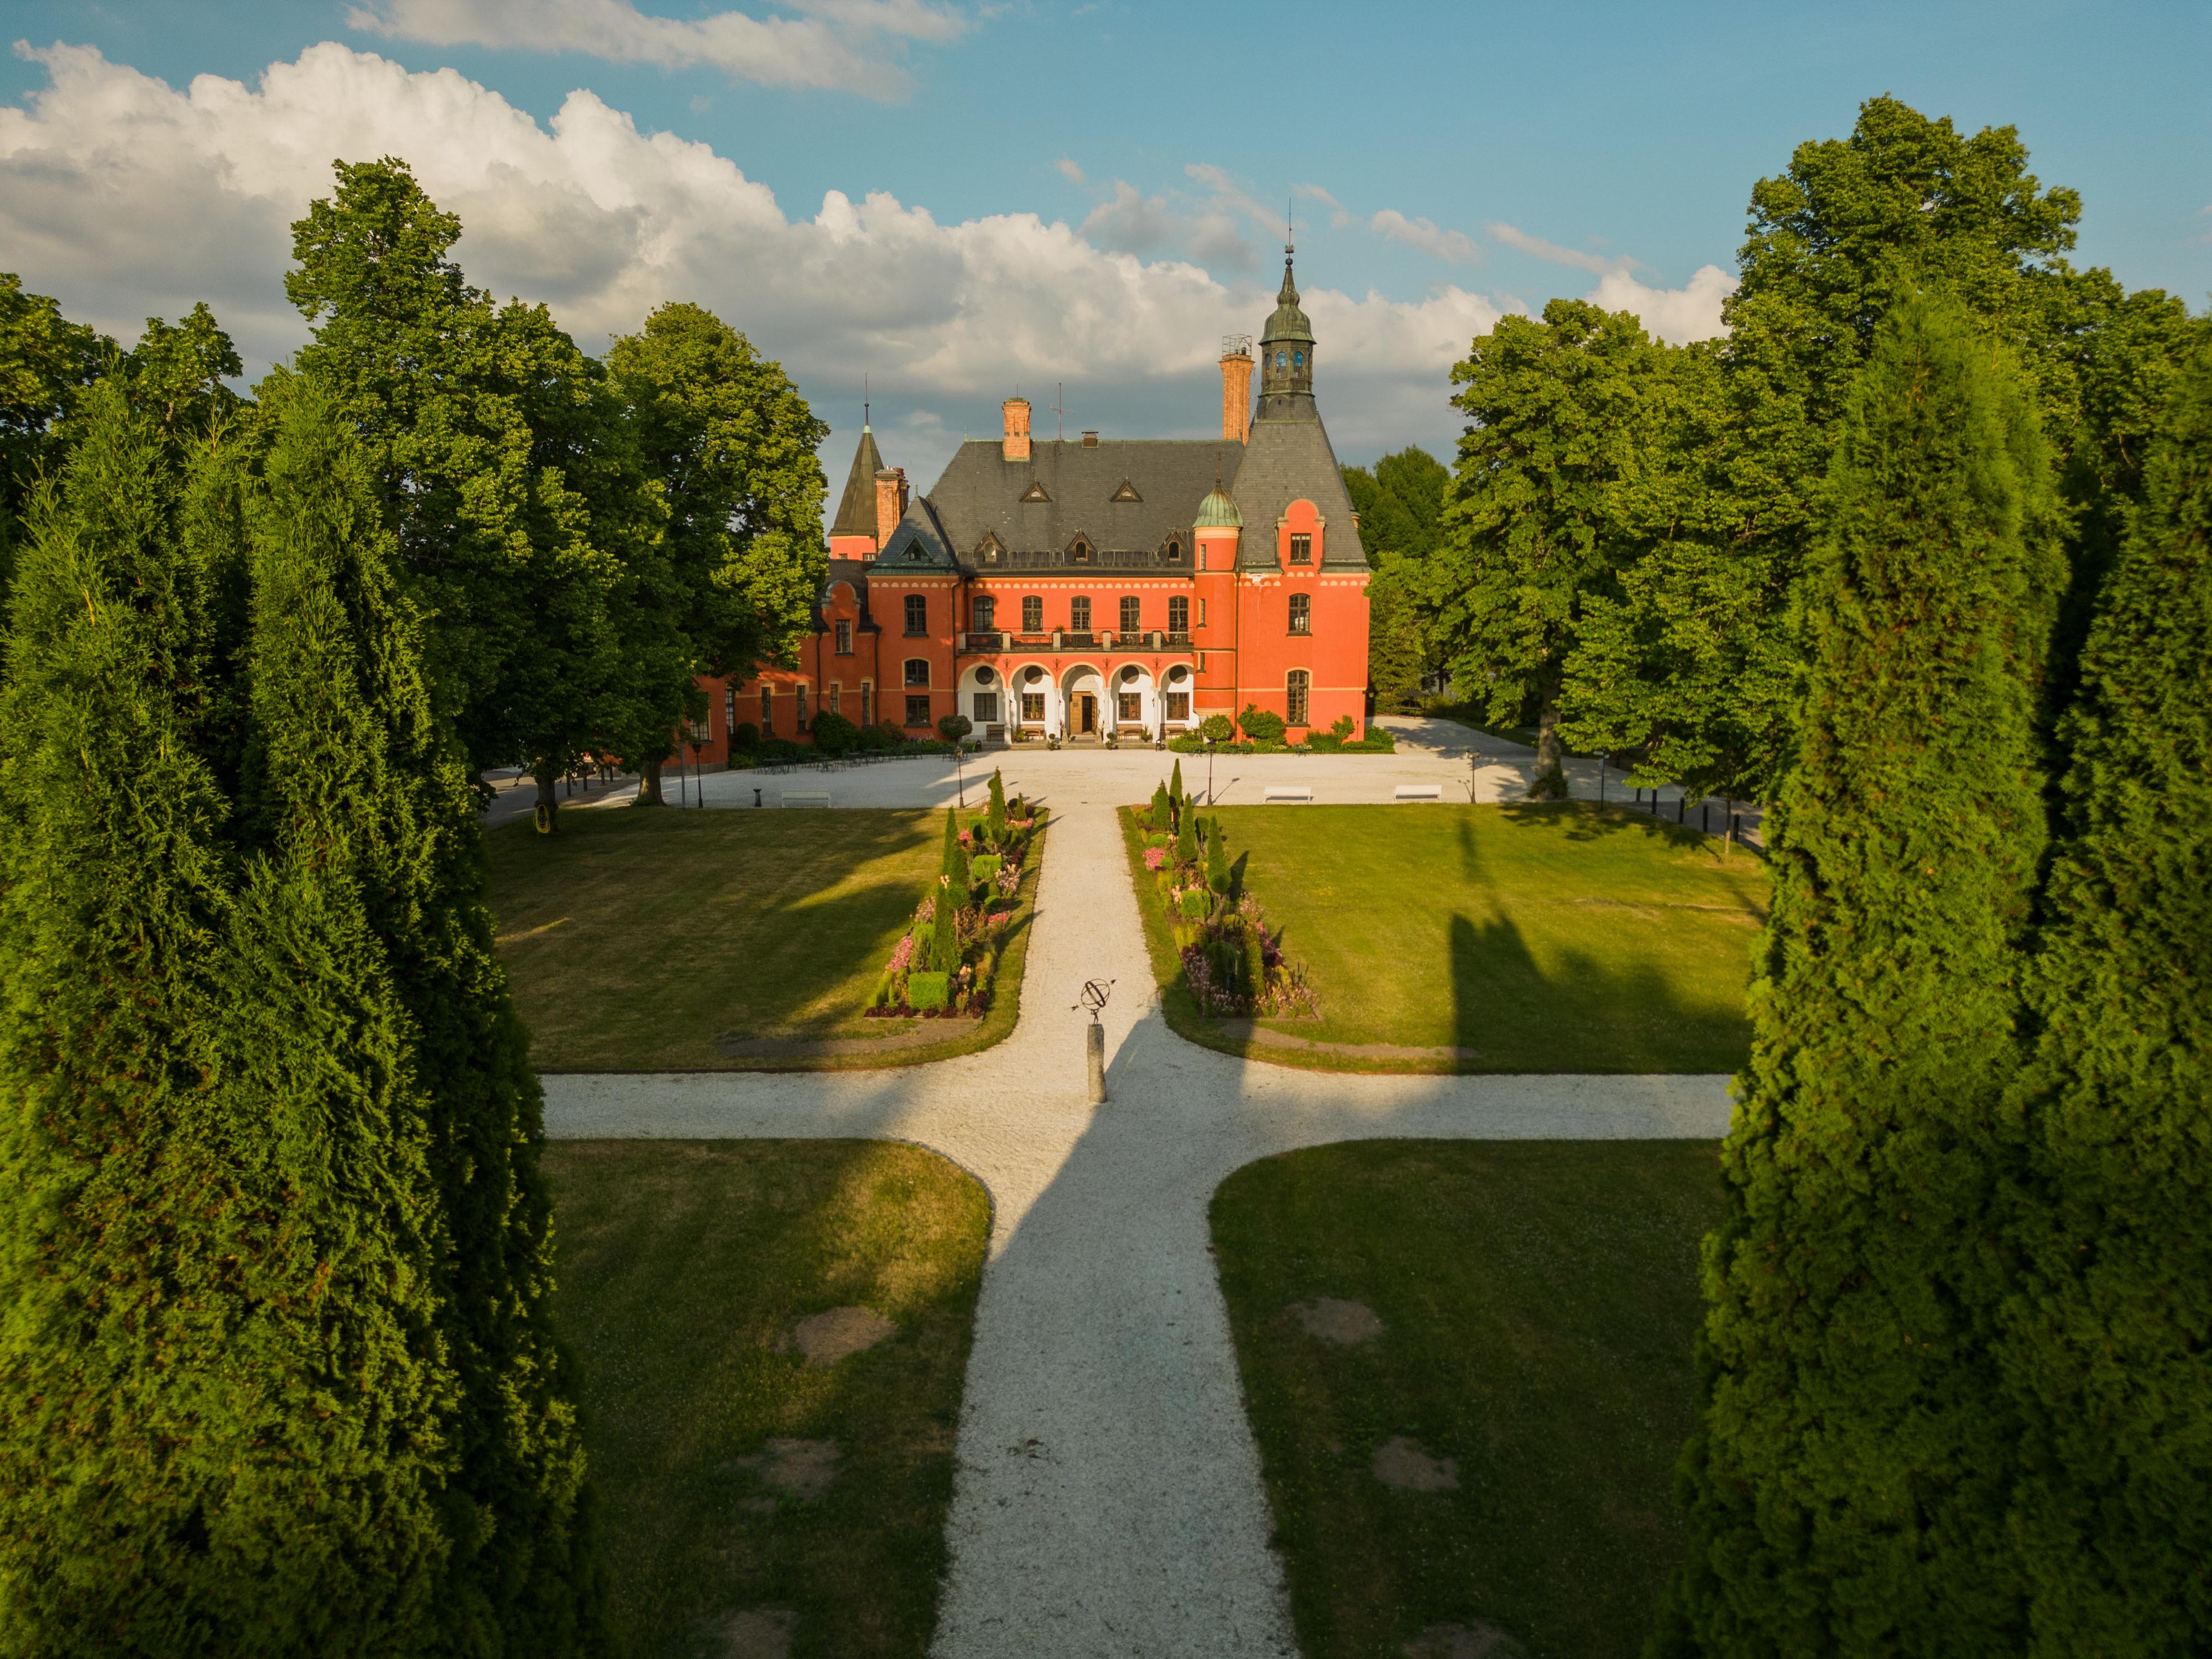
x: 1850, y: 1481
x: 275, y: 1371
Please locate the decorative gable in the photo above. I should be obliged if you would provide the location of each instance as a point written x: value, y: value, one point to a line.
x: 1127, y: 492
x: 990, y: 550
x: 1035, y: 492
x: 1081, y: 550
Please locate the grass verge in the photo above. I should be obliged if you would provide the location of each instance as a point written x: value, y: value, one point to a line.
x: 635, y: 937
x: 1551, y: 937
x: 1539, y: 1302
x: 683, y: 1265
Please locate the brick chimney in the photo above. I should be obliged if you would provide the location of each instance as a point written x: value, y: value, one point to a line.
x: 1016, y: 445
x: 1236, y: 387
x: 890, y: 503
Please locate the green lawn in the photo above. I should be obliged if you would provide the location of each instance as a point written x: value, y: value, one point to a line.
x: 634, y: 939
x: 1553, y: 938
x: 683, y: 1265
x: 1538, y: 1303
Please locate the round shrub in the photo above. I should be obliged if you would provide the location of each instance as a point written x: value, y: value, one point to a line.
x: 1260, y: 726
x: 746, y: 738
x: 1217, y: 728
x: 835, y: 735
x: 953, y: 727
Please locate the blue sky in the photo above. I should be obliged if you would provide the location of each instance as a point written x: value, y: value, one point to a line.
x: 1449, y: 162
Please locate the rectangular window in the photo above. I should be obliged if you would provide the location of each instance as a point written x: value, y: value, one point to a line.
x: 1132, y: 707
x: 1301, y: 613
x: 1202, y: 613
x: 1178, y: 615
x: 1130, y: 614
x: 917, y: 711
x: 844, y: 639
x: 729, y: 711
x: 1300, y: 549
x: 917, y: 671
x: 1079, y: 614
x: 985, y: 613
x: 917, y: 615
x: 1179, y: 705
x: 867, y: 702
x: 1033, y: 614
x: 799, y: 691
x: 768, y: 710
x: 1033, y: 708
x: 1296, y: 698
x: 837, y: 698
x: 986, y: 708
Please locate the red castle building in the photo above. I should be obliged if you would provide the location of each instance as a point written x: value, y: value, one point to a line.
x: 1081, y: 589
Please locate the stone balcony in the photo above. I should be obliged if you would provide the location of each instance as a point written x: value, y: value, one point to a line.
x: 1000, y: 642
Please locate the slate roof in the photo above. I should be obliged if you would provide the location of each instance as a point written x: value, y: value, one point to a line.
x: 981, y: 493
x: 1284, y: 460
x: 856, y: 511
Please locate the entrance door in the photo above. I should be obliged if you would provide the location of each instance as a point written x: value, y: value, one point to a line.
x: 1086, y: 713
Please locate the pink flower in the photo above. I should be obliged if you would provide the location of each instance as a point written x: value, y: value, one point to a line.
x: 1155, y: 857
x: 903, y: 953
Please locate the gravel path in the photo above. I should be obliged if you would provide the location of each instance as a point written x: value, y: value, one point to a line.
x: 1109, y: 1500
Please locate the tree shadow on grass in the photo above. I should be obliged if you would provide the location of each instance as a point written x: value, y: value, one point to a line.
x: 1582, y: 820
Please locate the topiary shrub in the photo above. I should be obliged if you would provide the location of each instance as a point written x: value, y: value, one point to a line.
x: 1162, y: 813
x: 746, y: 738
x: 1217, y: 728
x: 1260, y: 726
x: 953, y: 727
x: 835, y: 735
x: 1217, y: 857
x: 1194, y: 904
x: 926, y: 992
x: 983, y: 867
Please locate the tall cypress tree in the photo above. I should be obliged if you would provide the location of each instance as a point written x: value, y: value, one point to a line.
x: 222, y: 1413
x: 2108, y: 1343
x: 1847, y: 1483
x: 394, y: 796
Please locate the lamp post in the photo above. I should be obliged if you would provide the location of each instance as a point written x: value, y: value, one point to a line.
x: 1601, y: 754
x: 1209, y: 771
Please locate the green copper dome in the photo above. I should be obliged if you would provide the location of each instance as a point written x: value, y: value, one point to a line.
x: 1217, y: 511
x: 1289, y: 323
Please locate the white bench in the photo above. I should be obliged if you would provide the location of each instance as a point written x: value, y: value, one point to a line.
x: 804, y: 798
x: 1417, y: 792
x: 1290, y: 792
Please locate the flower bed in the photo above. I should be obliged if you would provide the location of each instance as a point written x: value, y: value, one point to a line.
x: 944, y: 964
x: 1232, y: 961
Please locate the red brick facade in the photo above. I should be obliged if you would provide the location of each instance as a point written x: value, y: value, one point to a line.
x: 1074, y: 589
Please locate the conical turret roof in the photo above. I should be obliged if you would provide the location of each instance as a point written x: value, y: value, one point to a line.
x: 856, y: 511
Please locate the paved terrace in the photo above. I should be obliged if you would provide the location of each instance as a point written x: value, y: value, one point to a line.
x: 1108, y: 1500
x: 1464, y: 764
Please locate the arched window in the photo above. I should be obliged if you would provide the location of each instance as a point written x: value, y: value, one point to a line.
x: 917, y: 671
x: 1301, y: 613
x: 1295, y: 696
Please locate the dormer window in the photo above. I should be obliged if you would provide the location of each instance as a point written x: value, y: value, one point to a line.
x: 988, y: 549
x: 1300, y: 549
x: 1035, y: 491
x: 1080, y: 550
x: 1127, y: 492
x: 1174, y: 551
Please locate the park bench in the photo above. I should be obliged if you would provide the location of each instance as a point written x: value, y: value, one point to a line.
x: 1417, y: 792
x: 1290, y: 793
x: 804, y: 798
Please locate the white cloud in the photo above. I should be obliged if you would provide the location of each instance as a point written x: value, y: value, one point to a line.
x: 835, y: 47
x: 1691, y: 311
x: 1452, y: 246
x: 127, y: 197
x: 1069, y: 171
x: 1131, y: 223
x: 1537, y: 247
